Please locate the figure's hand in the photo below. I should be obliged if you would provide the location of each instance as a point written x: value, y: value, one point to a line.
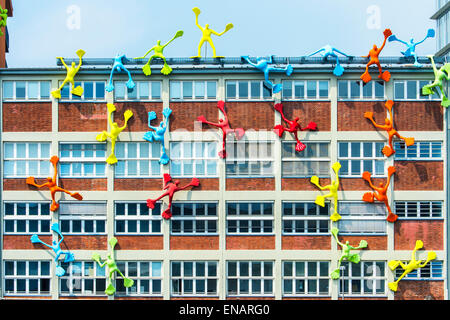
x: 245, y: 57
x: 196, y: 11
x: 167, y: 112
x: 201, y: 119
x: 391, y: 170
x: 34, y: 238
x: 195, y: 182
x: 111, y: 107
x: 151, y: 115
x: 128, y: 114
x: 54, y: 160
x: 363, y: 244
x: 96, y: 257
x: 366, y: 175
x: 30, y: 180
x: 278, y: 107
x: 80, y: 53
x: 55, y: 227
x: 229, y: 26
x: 387, y: 33
x: 368, y: 114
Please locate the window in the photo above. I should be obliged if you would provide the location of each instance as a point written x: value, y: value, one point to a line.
x: 27, y: 218
x: 412, y: 90
x: 92, y: 91
x: 194, y: 218
x: 366, y: 278
x: 194, y: 278
x: 26, y: 90
x: 314, y: 160
x: 249, y: 218
x: 362, y: 218
x: 193, y: 159
x: 357, y: 90
x: 433, y: 271
x: 357, y: 157
x: 137, y: 219
x: 82, y: 278
x: 250, y: 278
x: 144, y: 90
x: 27, y: 277
x: 423, y: 150
x: 83, y: 218
x: 23, y: 159
x: 304, y: 90
x: 147, y: 278
x: 419, y: 209
x: 193, y: 90
x: 306, y: 278
x: 247, y: 90
x: 305, y: 218
x: 249, y: 158
x: 138, y: 160
x: 82, y: 160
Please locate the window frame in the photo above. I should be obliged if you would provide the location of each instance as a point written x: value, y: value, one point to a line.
x: 305, y: 218
x: 193, y: 278
x: 82, y: 160
x: 138, y: 89
x: 75, y: 98
x: 249, y: 217
x: 40, y: 159
x: 361, y: 158
x: 83, y: 217
x: 194, y: 217
x: 82, y: 277
x: 249, y: 97
x: 27, y: 277
x: 305, y: 90
x: 27, y: 217
x: 361, y: 91
x: 138, y: 217
x: 400, y: 146
x: 435, y: 269
x: 401, y: 209
x: 124, y: 266
x: 299, y: 158
x: 418, y: 96
x: 346, y: 277
x: 250, y: 278
x: 209, y: 154
x: 306, y: 278
x: 194, y: 97
x: 138, y: 159
x: 26, y: 98
x: 363, y: 217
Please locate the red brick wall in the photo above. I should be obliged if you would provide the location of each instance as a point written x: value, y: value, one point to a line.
x: 27, y: 117
x: 306, y: 242
x: 13, y: 242
x: 137, y: 184
x: 303, y: 184
x: 85, y: 117
x: 362, y: 298
x: 373, y: 242
x: 307, y: 111
x: 418, y: 116
x: 419, y: 175
x: 236, y: 184
x: 139, y: 243
x: 251, y: 115
x: 250, y: 298
x: 205, y: 184
x: 194, y: 243
x: 185, y: 114
x: 85, y: 243
x: 139, y: 121
x: 95, y: 184
x: 250, y: 242
x: 350, y: 184
x: 306, y: 298
x: 351, y: 115
x: 419, y: 290
x: 20, y: 184
x: 431, y: 232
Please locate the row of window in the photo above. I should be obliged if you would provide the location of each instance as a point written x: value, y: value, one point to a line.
x: 207, y: 90
x: 253, y: 218
x: 201, y: 278
x: 200, y: 159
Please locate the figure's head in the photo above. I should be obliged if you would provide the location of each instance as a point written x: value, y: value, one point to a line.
x: 375, y: 47
x: 158, y: 42
x: 387, y: 121
x: 347, y: 242
x: 380, y: 184
x: 54, y: 243
x: 220, y: 120
x: 411, y: 40
x: 296, y: 119
x: 177, y: 182
x: 207, y: 26
x: 73, y: 64
x: 49, y: 179
x: 258, y: 59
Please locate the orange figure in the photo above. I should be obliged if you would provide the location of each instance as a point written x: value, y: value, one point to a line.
x: 380, y: 192
x: 51, y: 184
x: 373, y: 56
x: 389, y: 127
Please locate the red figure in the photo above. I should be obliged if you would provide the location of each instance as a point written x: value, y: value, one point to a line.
x: 223, y: 124
x: 389, y: 127
x: 373, y: 56
x: 294, y: 127
x: 171, y: 188
x: 380, y: 192
x: 51, y: 184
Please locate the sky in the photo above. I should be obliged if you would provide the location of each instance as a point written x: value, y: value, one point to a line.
x: 41, y: 30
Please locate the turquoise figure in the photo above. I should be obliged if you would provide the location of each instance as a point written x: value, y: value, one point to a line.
x: 56, y: 247
x: 329, y: 51
x: 411, y: 46
x: 118, y: 66
x: 157, y: 135
x: 263, y: 65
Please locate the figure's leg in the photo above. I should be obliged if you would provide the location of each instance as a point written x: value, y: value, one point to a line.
x: 164, y: 159
x: 320, y: 200
x: 392, y: 217
x: 54, y: 206
x: 167, y: 214
x: 166, y: 69
x: 365, y: 77
x: 337, y: 272
x: 416, y: 63
x: 127, y: 282
x: 110, y: 86
x: 335, y: 216
x: 213, y: 48
x: 386, y: 76
x: 130, y: 82
x: 146, y: 68
x: 408, y: 141
x: 388, y: 150
x: 151, y: 202
x: 75, y: 195
x: 338, y: 70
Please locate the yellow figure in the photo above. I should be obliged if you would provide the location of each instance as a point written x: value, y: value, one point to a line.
x: 115, y: 131
x: 333, y: 187
x: 411, y: 266
x: 207, y: 34
x: 71, y: 72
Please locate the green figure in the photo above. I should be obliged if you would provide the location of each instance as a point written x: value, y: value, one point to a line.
x: 112, y: 267
x: 346, y: 253
x: 440, y: 75
x: 158, y: 53
x: 4, y: 17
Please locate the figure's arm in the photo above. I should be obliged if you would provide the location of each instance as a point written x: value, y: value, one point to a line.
x: 153, y: 48
x: 338, y: 51
x: 227, y: 27
x: 320, y: 50
x: 202, y: 119
x: 33, y: 183
x: 334, y: 232
x: 367, y: 176
x: 387, y: 33
x: 63, y: 62
x: 246, y: 58
x: 394, y: 38
x: 197, y: 12
x: 178, y: 34
x: 391, y: 171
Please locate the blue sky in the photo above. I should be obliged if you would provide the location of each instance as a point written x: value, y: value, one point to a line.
x: 38, y: 30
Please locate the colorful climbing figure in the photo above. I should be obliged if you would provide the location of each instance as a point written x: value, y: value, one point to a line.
x: 389, y: 128
x: 56, y: 247
x: 171, y: 186
x: 293, y: 127
x: 333, y: 187
x: 346, y: 255
x: 410, y: 266
x: 118, y: 66
x: 329, y: 51
x: 411, y: 46
x: 223, y: 125
x: 51, y: 184
x: 157, y: 135
x: 115, y: 131
x: 206, y: 34
x: 262, y: 64
x: 112, y: 267
x: 71, y: 72
x: 373, y: 56
x: 3, y: 19
x: 380, y: 192
x: 439, y: 76
x: 158, y: 50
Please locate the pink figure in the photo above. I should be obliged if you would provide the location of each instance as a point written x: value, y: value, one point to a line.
x: 171, y: 188
x: 224, y: 125
x: 293, y: 127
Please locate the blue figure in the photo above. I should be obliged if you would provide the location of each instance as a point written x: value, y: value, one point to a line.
x: 327, y: 51
x: 263, y: 65
x: 56, y: 247
x: 158, y: 134
x: 118, y: 66
x: 411, y: 46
